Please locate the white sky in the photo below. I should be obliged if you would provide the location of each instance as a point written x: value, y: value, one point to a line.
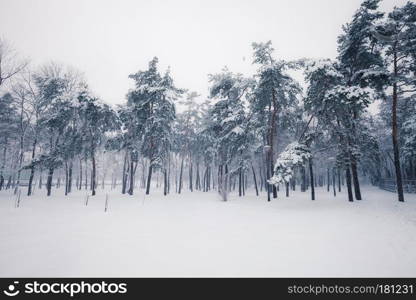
x: 108, y: 40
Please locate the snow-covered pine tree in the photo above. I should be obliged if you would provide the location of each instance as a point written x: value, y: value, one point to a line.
x: 330, y: 100
x: 227, y: 116
x: 153, y: 99
x: 97, y: 119
x: 359, y: 59
x: 276, y: 92
x: 397, y: 34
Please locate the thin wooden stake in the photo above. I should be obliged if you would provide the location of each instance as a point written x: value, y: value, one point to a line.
x: 18, y: 198
x: 106, y: 203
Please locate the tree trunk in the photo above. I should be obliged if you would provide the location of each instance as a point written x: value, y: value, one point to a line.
x: 328, y: 180
x: 255, y: 180
x: 240, y: 187
x: 311, y: 178
x: 205, y: 181
x: 80, y: 174
x: 131, y: 188
x: 3, y: 164
x: 165, y: 182
x: 348, y: 179
x: 180, y: 177
x: 94, y: 175
x: 9, y: 182
x: 21, y: 152
x: 274, y: 188
x: 66, y: 178
x: 287, y: 189
x: 267, y: 185
x: 190, y: 175
x: 339, y: 179
x: 355, y: 181
x: 149, y: 178
x: 40, y: 179
x: 49, y: 181
x: 168, y: 175
x: 124, y: 175
x: 244, y: 182
x: 70, y: 177
x: 32, y: 170
x: 197, y: 180
x: 224, y: 183
x: 396, y: 152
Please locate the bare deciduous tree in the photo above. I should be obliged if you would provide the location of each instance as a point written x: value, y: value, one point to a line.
x: 10, y: 63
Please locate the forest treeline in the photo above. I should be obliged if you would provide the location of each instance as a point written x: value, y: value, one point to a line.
x: 265, y: 131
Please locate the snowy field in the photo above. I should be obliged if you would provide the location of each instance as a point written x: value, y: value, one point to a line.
x: 196, y: 234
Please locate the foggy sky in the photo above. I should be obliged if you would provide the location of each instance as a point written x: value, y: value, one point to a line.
x: 108, y: 40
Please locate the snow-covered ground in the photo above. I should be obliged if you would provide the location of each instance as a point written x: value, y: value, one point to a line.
x: 196, y: 234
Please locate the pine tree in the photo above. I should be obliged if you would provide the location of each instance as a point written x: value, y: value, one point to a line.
x: 153, y: 100
x: 397, y: 33
x: 227, y: 116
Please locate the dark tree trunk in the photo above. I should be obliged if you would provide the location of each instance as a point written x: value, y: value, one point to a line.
x: 240, y: 188
x: 255, y: 180
x: 226, y: 177
x: 244, y: 183
x: 339, y: 179
x: 333, y: 182
x: 32, y: 170
x: 93, y: 175
x: 197, y: 180
x: 70, y: 177
x: 80, y: 174
x: 273, y: 186
x: 149, y: 178
x: 124, y: 175
x: 355, y: 180
x: 287, y: 189
x: 312, y: 179
x: 40, y: 179
x: 349, y: 187
x: 168, y: 175
x: 267, y: 185
x: 131, y: 187
x: 328, y: 180
x: 396, y: 152
x: 19, y: 170
x: 66, y: 178
x: 165, y: 182
x: 49, y: 182
x: 180, y: 177
x: 3, y: 165
x: 190, y: 176
x: 9, y: 182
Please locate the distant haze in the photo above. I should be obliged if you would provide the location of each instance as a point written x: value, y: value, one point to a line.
x: 108, y: 40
